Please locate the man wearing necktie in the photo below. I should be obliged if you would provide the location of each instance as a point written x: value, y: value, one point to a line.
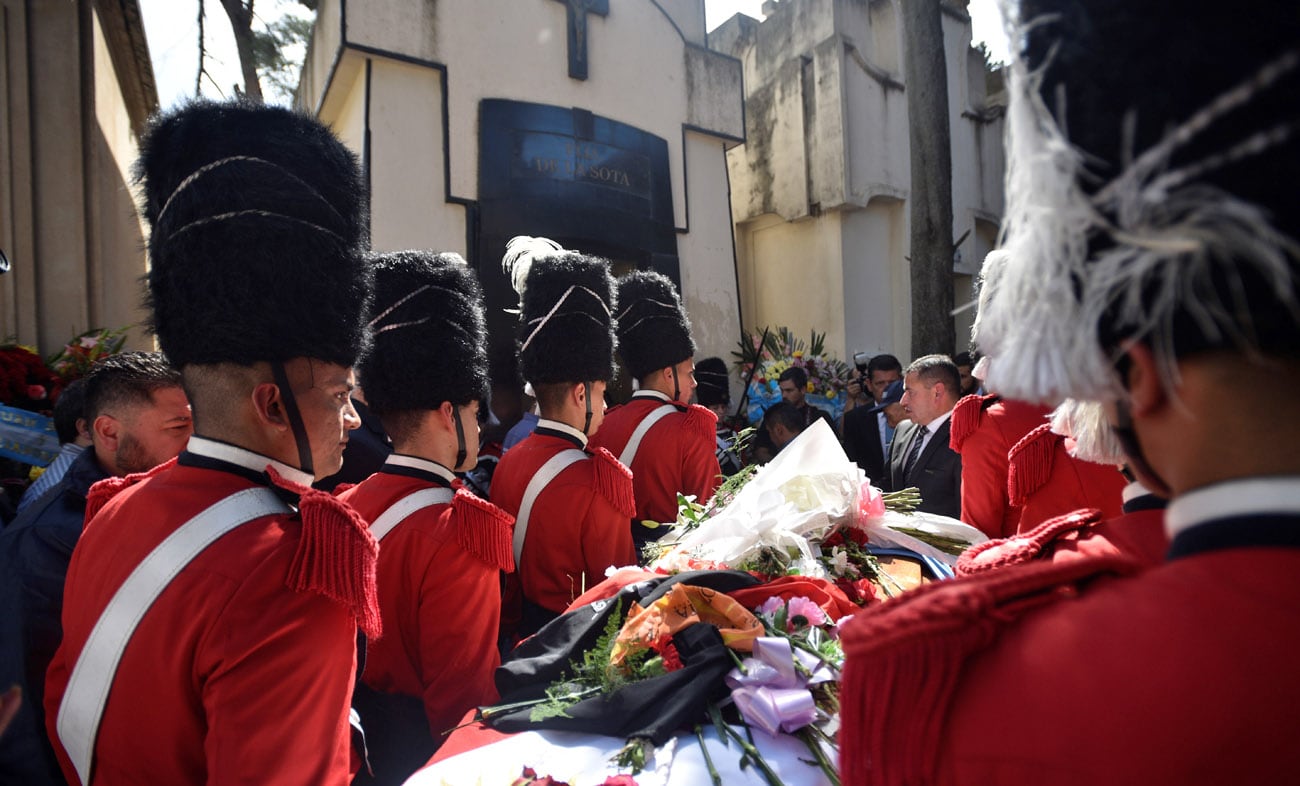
x: 920, y: 455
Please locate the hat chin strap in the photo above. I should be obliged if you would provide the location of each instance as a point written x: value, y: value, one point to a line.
x: 677, y: 384
x: 461, y: 452
x: 295, y: 417
x: 586, y: 424
x: 1128, y: 439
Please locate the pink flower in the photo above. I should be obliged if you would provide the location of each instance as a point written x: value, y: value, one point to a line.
x: 808, y: 610
x: 870, y: 502
x: 771, y: 606
x: 36, y: 392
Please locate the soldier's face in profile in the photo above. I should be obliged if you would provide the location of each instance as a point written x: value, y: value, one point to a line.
x: 324, y: 394
x: 597, y: 406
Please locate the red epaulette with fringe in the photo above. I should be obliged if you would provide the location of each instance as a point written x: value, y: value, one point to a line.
x: 336, y: 556
x: 966, y: 418
x: 1025, y: 547
x: 614, y: 482
x: 702, y: 421
x: 1029, y: 463
x: 903, y: 661
x: 106, y: 489
x: 484, y: 530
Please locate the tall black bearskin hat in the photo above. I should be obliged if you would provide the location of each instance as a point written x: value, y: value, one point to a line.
x: 566, y: 322
x: 713, y: 385
x: 653, y: 331
x: 1151, y: 168
x: 258, y: 217
x: 430, y: 338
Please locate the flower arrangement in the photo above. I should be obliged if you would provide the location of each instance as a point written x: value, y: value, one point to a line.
x: 730, y: 642
x: 763, y: 356
x: 79, y: 354
x: 25, y: 381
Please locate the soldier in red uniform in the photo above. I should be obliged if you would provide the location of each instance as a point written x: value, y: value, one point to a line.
x: 1156, y: 273
x: 572, y: 502
x: 1045, y: 480
x: 984, y: 429
x: 212, y: 604
x: 1136, y: 532
x: 667, y: 443
x: 441, y: 550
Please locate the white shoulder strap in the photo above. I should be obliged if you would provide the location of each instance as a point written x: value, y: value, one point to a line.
x: 548, y: 471
x: 92, y: 676
x: 400, y: 510
x: 642, y: 428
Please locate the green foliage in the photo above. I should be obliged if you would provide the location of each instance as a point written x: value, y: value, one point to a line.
x: 279, y: 49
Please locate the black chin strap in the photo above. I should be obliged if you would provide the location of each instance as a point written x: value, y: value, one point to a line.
x: 677, y: 385
x: 295, y: 417
x: 587, y: 423
x: 461, y: 452
x: 1128, y: 440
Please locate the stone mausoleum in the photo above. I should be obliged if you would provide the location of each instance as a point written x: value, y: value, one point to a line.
x: 603, y: 124
x: 819, y: 190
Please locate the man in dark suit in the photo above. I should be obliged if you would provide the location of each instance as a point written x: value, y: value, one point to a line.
x: 920, y: 455
x: 867, y: 432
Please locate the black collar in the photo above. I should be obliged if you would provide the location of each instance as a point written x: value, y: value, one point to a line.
x: 1260, y: 530
x: 188, y: 459
x: 418, y: 468
x: 553, y: 432
x: 1144, y: 502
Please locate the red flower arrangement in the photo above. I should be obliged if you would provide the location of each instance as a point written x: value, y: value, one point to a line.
x: 25, y: 381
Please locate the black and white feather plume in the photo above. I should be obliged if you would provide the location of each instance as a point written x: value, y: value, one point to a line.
x: 1160, y: 217
x: 521, y: 252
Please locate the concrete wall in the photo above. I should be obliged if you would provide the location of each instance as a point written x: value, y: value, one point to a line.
x: 76, y: 90
x: 648, y: 68
x: 827, y: 146
x: 708, y: 273
x: 407, y: 208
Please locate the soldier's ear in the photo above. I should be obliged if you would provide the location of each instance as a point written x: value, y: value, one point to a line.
x: 1142, y: 378
x: 269, y: 406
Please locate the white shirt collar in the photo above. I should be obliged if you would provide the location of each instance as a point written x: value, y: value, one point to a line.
x: 564, y: 428
x: 647, y: 393
x: 233, y: 454
x: 1132, y: 491
x: 415, y: 462
x: 934, y: 425
x: 1250, y: 496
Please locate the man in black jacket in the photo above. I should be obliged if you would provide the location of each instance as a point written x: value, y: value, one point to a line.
x: 920, y: 455
x: 867, y: 433
x: 138, y: 417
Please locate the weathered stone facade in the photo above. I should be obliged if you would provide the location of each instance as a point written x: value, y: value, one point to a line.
x: 819, y: 189
x: 473, y: 128
x: 76, y: 88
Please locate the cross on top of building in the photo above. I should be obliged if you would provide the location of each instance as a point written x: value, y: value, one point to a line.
x: 576, y: 14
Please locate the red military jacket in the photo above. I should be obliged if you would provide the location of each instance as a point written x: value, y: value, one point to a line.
x: 439, y: 592
x: 242, y: 670
x: 983, y: 431
x: 1093, y: 670
x: 677, y: 454
x: 579, y: 522
x: 1046, y: 481
x: 1138, y: 534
